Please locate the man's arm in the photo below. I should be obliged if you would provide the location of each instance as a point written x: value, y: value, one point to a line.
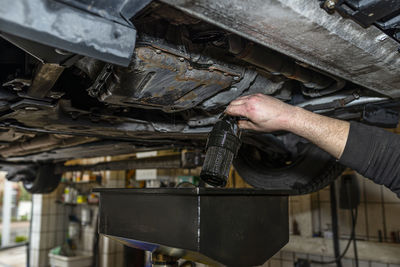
x: 372, y: 152
x: 268, y: 114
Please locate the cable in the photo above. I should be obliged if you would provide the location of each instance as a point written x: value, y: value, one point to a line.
x: 354, y: 221
x: 334, y: 220
x: 346, y: 248
x: 352, y: 236
x: 354, y: 218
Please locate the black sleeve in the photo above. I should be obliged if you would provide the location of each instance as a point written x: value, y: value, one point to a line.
x: 375, y: 154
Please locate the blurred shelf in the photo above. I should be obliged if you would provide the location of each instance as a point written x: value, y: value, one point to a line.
x: 367, y: 250
x: 80, y: 183
x: 75, y: 204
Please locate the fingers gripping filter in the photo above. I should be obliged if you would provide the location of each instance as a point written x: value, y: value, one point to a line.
x: 222, y: 146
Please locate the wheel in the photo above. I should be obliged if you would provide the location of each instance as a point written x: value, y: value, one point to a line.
x: 292, y: 165
x: 44, y: 182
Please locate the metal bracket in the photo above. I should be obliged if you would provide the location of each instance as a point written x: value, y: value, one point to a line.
x: 104, y: 35
x: 382, y: 13
x: 186, y: 159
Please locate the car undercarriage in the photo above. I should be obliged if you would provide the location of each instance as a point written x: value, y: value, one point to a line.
x: 142, y: 75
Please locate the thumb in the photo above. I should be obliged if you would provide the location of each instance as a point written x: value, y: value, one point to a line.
x: 236, y: 110
x: 244, y: 124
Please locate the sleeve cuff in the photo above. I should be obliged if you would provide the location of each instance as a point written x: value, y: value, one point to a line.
x: 357, y: 151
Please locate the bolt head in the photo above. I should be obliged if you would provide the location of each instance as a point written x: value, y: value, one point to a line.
x: 31, y: 109
x: 330, y: 4
x: 158, y: 51
x: 62, y: 52
x: 181, y: 59
x: 382, y: 37
x: 117, y: 34
x: 56, y: 96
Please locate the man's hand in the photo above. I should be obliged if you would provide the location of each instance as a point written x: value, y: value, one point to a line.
x: 265, y: 113
x: 269, y: 114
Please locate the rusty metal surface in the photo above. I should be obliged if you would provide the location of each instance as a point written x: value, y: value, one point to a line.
x: 41, y: 117
x: 162, y: 162
x: 277, y: 63
x: 43, y: 143
x: 166, y: 80
x: 161, y: 77
x: 186, y: 160
x: 302, y: 30
x: 45, y: 78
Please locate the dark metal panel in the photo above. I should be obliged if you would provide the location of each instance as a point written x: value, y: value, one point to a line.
x: 302, y: 30
x: 237, y: 225
x: 233, y: 227
x: 58, y: 25
x: 43, y: 53
x: 116, y: 10
x: 156, y: 218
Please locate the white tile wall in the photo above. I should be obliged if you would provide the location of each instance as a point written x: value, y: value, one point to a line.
x: 328, y: 259
x: 286, y: 255
x: 288, y: 259
x: 50, y: 224
x: 45, y: 233
x: 392, y: 218
x: 379, y: 210
x: 325, y: 216
x: 315, y: 258
x: 361, y: 228
x: 364, y: 264
x: 389, y: 196
x: 34, y: 257
x: 372, y: 191
x: 347, y: 263
x: 324, y: 194
x: 285, y: 263
x: 377, y: 264
x: 275, y: 263
x: 374, y: 220
x: 301, y: 256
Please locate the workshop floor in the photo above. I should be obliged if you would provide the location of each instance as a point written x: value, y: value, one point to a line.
x: 15, y: 257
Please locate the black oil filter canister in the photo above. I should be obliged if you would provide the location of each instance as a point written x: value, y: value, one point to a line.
x: 222, y: 146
